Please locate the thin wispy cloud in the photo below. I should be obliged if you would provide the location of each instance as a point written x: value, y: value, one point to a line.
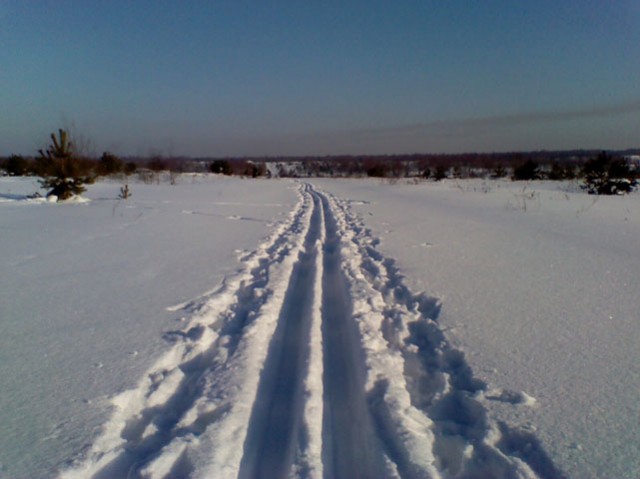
x: 499, y: 121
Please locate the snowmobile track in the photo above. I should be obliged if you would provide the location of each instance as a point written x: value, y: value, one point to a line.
x: 313, y: 361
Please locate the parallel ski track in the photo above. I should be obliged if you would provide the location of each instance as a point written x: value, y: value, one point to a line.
x: 314, y: 361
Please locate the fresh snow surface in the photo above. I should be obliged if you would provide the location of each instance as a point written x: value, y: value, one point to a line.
x: 224, y: 328
x: 85, y: 293
x: 538, y: 284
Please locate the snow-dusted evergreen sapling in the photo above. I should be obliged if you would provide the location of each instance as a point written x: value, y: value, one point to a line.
x: 606, y: 175
x: 125, y: 192
x: 62, y: 171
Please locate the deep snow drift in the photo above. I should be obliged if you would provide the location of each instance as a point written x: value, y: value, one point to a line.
x: 224, y: 327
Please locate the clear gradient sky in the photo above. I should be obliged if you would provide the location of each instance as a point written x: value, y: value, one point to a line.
x: 262, y: 77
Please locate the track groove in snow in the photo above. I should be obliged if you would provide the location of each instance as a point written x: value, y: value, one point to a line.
x: 315, y: 360
x: 276, y: 416
x: 350, y: 445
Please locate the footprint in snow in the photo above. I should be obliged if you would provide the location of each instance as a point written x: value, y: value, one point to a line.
x: 511, y: 397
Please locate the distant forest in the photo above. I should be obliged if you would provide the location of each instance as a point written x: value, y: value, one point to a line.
x: 540, y: 164
x: 516, y: 165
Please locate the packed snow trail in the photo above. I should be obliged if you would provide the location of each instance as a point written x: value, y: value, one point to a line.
x: 350, y: 447
x: 275, y: 420
x: 314, y: 361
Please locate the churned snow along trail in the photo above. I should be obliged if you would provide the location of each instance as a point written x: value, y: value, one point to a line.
x: 275, y: 421
x: 314, y: 361
x: 426, y: 405
x: 350, y: 445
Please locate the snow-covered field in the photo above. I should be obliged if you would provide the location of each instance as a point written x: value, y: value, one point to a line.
x: 249, y: 328
x: 540, y: 287
x: 84, y: 292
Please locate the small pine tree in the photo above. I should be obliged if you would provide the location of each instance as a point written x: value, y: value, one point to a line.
x: 440, y: 173
x: 529, y: 170
x: 16, y: 165
x: 62, y: 172
x: 109, y: 164
x: 557, y: 172
x: 605, y: 175
x: 221, y: 167
x: 125, y: 192
x: 130, y: 168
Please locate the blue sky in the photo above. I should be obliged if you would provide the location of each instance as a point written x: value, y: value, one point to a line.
x: 261, y: 77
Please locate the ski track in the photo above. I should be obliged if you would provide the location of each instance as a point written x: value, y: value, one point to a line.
x: 313, y: 361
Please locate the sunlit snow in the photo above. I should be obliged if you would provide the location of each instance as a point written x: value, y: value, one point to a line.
x: 222, y: 326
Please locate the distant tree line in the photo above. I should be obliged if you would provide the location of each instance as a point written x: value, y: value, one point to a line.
x: 239, y: 168
x: 64, y: 171
x: 599, y: 172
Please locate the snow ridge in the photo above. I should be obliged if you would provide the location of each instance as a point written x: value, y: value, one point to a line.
x: 311, y: 461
